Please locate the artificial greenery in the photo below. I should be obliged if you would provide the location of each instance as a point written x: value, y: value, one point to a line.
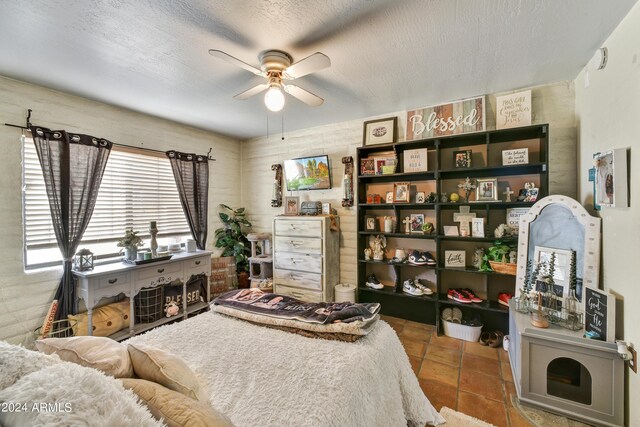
x: 572, y: 272
x: 233, y: 238
x: 498, y: 252
x: 130, y: 239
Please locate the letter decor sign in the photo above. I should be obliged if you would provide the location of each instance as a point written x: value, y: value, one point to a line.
x: 599, y: 312
x: 465, y: 116
x: 513, y: 110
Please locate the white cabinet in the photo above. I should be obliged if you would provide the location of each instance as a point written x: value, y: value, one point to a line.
x: 111, y: 280
x: 306, y: 257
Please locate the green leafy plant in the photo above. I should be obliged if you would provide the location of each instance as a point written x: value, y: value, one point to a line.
x: 498, y: 252
x: 130, y: 239
x: 233, y: 237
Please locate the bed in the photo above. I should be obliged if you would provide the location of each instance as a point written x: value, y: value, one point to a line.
x: 258, y: 376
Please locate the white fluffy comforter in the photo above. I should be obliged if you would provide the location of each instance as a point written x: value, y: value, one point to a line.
x: 264, y: 377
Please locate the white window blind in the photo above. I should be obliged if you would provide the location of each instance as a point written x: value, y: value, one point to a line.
x: 137, y: 187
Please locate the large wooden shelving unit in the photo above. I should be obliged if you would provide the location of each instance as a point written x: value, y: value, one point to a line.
x: 440, y: 177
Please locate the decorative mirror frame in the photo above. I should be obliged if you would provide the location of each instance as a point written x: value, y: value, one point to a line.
x: 592, y: 236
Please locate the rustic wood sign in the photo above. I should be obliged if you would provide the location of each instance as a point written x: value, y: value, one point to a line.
x: 513, y: 110
x: 599, y: 314
x: 465, y: 116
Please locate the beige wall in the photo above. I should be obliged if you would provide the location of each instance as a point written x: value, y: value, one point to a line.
x: 24, y: 297
x: 553, y: 104
x: 608, y: 111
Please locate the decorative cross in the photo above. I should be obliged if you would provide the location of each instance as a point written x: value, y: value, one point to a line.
x: 464, y: 217
x: 407, y: 224
x: 508, y: 194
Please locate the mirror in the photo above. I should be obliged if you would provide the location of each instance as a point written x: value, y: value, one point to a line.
x: 560, y: 223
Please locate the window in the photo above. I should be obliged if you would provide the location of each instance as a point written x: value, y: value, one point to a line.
x: 137, y: 187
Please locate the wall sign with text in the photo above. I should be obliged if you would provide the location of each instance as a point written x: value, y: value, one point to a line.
x: 513, y: 110
x: 465, y: 116
x: 599, y: 314
x: 518, y: 156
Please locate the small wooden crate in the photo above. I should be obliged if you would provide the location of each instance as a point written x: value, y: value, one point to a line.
x: 223, y: 275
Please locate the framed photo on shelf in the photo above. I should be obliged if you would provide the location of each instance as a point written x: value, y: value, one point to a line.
x: 326, y: 208
x: 371, y: 223
x: 401, y: 192
x: 462, y: 159
x: 487, y: 189
x: 451, y: 230
x: 291, y: 205
x: 381, y: 131
x: 420, y: 197
x: 477, y: 227
x: 389, y: 197
x: 417, y: 221
x: 367, y: 167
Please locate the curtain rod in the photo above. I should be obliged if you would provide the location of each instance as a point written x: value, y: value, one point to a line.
x: 28, y: 126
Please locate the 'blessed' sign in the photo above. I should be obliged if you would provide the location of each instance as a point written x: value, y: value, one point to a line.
x: 467, y: 115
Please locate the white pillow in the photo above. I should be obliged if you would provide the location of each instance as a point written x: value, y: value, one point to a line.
x: 103, y: 354
x: 16, y: 362
x: 74, y: 395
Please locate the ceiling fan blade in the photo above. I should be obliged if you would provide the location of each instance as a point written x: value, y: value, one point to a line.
x: 303, y: 95
x: 233, y: 60
x: 308, y: 65
x: 253, y: 91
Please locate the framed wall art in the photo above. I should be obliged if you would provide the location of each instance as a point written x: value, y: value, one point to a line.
x: 415, y: 160
x: 371, y: 223
x: 367, y: 167
x: 389, y: 197
x: 487, y: 189
x: 611, y: 178
x: 462, y: 158
x: 381, y: 131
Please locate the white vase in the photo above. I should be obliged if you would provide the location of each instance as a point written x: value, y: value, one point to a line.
x: 130, y: 253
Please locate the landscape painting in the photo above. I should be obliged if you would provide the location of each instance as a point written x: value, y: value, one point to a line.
x: 308, y: 173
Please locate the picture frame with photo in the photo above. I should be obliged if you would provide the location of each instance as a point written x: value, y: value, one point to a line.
x: 371, y: 223
x: 417, y: 221
x: 326, y: 208
x: 291, y: 205
x: 367, y: 167
x: 486, y: 189
x: 420, y: 197
x: 401, y: 192
x: 380, y: 131
x: 462, y: 159
x: 389, y: 197
x: 477, y: 227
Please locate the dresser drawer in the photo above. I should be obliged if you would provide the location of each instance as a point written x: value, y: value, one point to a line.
x: 298, y: 279
x: 197, y: 266
x: 158, y: 274
x: 298, y: 228
x: 298, y: 261
x: 298, y: 244
x: 301, y: 294
x: 113, y: 280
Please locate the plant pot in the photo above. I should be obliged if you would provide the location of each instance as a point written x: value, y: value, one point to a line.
x: 243, y: 280
x: 130, y: 253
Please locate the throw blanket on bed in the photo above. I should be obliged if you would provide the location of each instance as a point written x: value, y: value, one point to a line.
x: 265, y: 377
x: 255, y: 301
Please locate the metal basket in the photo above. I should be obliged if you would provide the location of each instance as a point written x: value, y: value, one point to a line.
x: 59, y: 329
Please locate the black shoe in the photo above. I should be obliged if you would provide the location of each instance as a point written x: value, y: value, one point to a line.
x: 373, y: 282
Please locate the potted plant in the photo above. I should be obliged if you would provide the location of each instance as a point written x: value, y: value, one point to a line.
x: 233, y: 238
x: 497, y: 258
x: 130, y: 244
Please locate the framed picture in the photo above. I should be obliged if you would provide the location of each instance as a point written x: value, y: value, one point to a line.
x: 417, y: 221
x: 514, y: 215
x: 562, y: 266
x: 367, y: 167
x: 455, y: 259
x: 291, y: 205
x: 401, y: 192
x: 611, y: 178
x: 477, y: 227
x: 381, y: 131
x: 379, y: 164
x: 532, y: 195
x: 308, y: 173
x: 600, y: 314
x: 420, y: 197
x: 487, y: 189
x: 389, y: 198
x: 462, y: 159
x: 326, y: 208
x: 415, y: 160
x: 451, y: 230
x: 518, y: 156
x: 371, y: 223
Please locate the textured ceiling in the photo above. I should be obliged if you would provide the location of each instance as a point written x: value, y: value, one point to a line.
x: 387, y: 55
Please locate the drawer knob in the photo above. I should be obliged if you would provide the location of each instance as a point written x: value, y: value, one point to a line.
x: 160, y: 270
x: 112, y: 281
x: 198, y: 262
x: 292, y: 227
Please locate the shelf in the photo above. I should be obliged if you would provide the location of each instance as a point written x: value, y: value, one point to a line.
x: 473, y: 270
x: 485, y: 305
x: 478, y: 239
x: 398, y: 205
x: 483, y: 205
x: 401, y: 235
x: 399, y: 177
x: 390, y: 290
x: 399, y: 264
x: 486, y: 171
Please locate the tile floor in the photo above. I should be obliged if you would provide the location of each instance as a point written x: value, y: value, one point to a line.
x: 468, y: 377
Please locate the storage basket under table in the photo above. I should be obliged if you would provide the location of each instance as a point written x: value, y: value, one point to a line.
x: 149, y: 304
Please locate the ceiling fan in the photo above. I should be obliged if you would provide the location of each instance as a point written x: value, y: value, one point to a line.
x: 276, y: 66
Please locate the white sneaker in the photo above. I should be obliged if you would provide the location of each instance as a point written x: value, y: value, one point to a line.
x: 373, y: 282
x: 425, y: 289
x: 410, y: 288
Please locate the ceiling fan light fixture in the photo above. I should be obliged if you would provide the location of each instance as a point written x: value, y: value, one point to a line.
x: 274, y: 99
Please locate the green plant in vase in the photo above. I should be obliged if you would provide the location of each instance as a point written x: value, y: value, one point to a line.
x: 130, y: 243
x: 498, y: 252
x: 232, y: 237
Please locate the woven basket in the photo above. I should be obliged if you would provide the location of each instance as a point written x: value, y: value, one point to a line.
x: 503, y: 267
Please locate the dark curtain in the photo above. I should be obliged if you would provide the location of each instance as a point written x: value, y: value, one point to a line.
x: 72, y: 166
x: 191, y: 173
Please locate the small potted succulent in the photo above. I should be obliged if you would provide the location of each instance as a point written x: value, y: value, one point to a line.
x: 130, y: 244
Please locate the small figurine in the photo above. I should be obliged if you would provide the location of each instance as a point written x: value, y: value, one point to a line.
x: 477, y: 258
x: 367, y: 254
x: 407, y: 224
x: 171, y: 308
x: 427, y: 227
x: 444, y: 198
x: 431, y: 198
x: 508, y: 194
x: 512, y: 257
x: 377, y: 245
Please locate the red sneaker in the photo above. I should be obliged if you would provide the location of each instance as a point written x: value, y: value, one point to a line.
x: 458, y: 296
x: 504, y: 297
x: 469, y: 294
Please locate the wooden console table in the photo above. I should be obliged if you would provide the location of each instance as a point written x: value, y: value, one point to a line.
x: 110, y: 280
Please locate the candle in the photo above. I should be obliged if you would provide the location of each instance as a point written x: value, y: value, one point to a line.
x: 152, y: 224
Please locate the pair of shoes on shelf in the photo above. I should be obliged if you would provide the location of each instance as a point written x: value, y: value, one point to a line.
x: 492, y: 339
x: 409, y: 287
x: 453, y: 315
x: 373, y: 282
x: 464, y: 296
x: 421, y: 258
x: 504, y: 297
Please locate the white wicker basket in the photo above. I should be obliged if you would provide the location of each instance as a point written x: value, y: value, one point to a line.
x: 462, y: 332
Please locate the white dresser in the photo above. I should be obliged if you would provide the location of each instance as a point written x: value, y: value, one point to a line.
x: 110, y: 280
x: 306, y: 257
